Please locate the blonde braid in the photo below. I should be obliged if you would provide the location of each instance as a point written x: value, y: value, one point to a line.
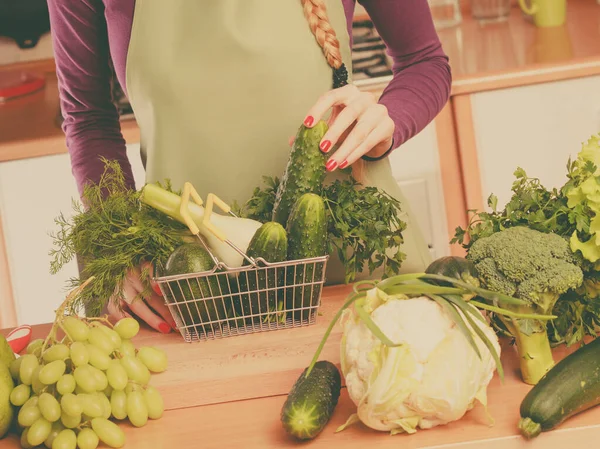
x: 316, y: 15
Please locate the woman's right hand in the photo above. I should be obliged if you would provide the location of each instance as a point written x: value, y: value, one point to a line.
x: 150, y: 309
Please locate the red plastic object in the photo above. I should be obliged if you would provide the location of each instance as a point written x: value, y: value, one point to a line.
x: 19, y: 338
x: 16, y: 84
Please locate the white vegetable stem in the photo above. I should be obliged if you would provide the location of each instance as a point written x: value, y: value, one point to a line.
x: 238, y: 230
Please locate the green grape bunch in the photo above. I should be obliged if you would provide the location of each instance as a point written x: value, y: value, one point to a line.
x: 69, y: 393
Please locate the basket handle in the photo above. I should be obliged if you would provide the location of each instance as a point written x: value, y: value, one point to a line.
x: 211, y: 201
x: 189, y: 190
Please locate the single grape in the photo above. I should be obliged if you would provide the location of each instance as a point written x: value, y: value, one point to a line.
x: 38, y: 432
x: 106, y: 405
x: 131, y: 387
x: 66, y: 439
x: 20, y: 395
x: 49, y: 407
x: 70, y: 405
x: 136, y: 370
x: 52, y: 372
x: 35, y: 347
x: 112, y: 335
x: 79, y: 354
x: 28, y: 415
x: 66, y: 384
x: 29, y: 363
x: 70, y: 421
x: 85, y: 378
x: 15, y: 368
x: 99, y: 378
x: 127, y: 348
x: 117, y: 376
x: 155, y: 359
x: 31, y: 402
x: 57, y: 427
x: 127, y: 328
x: 24, y: 443
x: 57, y: 352
x: 118, y: 404
x: 36, y: 384
x: 137, y: 412
x: 77, y: 329
x: 79, y: 390
x: 91, y: 405
x: 87, y: 439
x: 98, y: 358
x: 108, y: 432
x: 99, y: 339
x: 154, y: 403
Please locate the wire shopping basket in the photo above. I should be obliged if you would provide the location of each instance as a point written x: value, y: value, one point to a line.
x: 227, y: 301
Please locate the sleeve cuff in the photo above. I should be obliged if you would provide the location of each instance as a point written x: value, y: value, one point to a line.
x: 383, y: 156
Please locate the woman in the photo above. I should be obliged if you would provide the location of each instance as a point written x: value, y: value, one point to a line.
x: 217, y: 86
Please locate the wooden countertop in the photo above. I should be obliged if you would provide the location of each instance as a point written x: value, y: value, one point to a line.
x: 229, y: 393
x: 493, y: 56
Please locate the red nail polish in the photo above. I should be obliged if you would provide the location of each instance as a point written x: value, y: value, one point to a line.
x: 331, y: 165
x: 325, y: 146
x: 343, y: 165
x: 309, y: 120
x: 164, y: 328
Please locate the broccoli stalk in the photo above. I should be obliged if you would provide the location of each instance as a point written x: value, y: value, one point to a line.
x: 537, y: 268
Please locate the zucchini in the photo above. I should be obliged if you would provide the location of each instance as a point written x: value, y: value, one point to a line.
x: 307, y: 238
x: 269, y: 242
x: 456, y: 268
x: 188, y: 293
x: 304, y: 173
x: 311, y: 401
x: 570, y: 387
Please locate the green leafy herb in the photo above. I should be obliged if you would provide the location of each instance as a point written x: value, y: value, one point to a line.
x: 571, y: 211
x: 113, y: 233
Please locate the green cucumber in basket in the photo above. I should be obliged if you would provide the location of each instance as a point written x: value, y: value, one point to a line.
x: 312, y: 401
x: 188, y: 293
x: 570, y: 387
x: 270, y: 243
x: 305, y: 171
x: 307, y: 238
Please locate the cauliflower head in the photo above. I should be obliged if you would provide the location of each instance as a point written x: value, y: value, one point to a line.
x: 434, y: 377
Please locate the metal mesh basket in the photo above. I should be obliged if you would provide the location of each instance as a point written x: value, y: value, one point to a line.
x: 259, y: 296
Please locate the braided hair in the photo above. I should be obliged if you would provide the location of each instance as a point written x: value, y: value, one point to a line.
x: 316, y: 15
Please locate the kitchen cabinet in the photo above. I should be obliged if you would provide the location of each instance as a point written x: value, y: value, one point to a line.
x: 536, y: 127
x: 33, y: 192
x: 416, y: 167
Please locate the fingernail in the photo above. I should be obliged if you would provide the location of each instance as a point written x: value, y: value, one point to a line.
x: 309, y: 120
x: 164, y: 328
x: 343, y: 165
x: 331, y: 165
x: 325, y: 146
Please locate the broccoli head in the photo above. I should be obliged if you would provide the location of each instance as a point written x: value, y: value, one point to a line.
x: 527, y: 264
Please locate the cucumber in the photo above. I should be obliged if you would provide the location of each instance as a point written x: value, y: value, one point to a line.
x: 570, y: 387
x: 307, y: 238
x: 304, y: 173
x: 193, y: 258
x: 269, y: 242
x: 311, y: 401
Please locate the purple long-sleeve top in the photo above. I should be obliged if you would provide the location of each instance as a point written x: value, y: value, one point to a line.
x: 87, y: 32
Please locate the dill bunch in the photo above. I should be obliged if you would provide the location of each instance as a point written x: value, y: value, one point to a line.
x: 111, y: 232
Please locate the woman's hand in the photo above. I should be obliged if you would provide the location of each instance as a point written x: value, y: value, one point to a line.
x: 151, y: 309
x: 358, y: 125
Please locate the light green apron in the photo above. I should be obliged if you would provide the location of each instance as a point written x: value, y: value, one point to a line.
x: 217, y: 89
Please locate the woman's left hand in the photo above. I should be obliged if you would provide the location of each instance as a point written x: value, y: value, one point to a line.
x: 358, y: 125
